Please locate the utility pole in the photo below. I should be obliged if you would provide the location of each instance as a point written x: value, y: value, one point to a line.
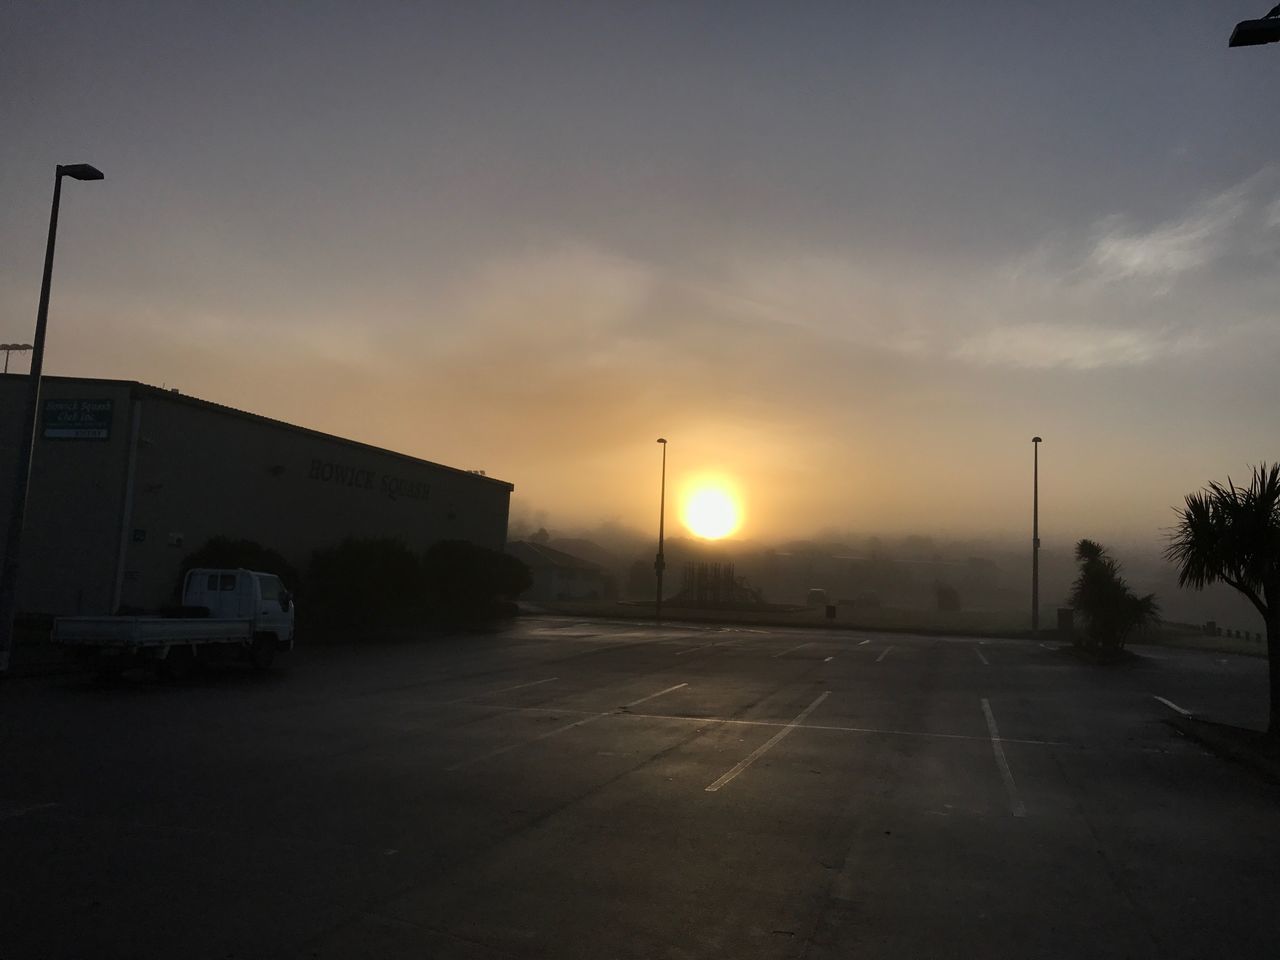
x: 26, y: 439
x: 1035, y: 540
x: 660, y: 563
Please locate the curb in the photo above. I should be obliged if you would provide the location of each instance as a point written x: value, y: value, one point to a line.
x: 1230, y: 743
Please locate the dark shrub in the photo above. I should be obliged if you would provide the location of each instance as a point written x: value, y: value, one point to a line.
x: 1111, y: 611
x: 225, y: 553
x: 947, y: 597
x: 464, y: 580
x: 363, y: 583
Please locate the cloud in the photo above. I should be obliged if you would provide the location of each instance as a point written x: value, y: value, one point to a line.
x: 1077, y: 347
x: 1236, y: 223
x: 1171, y: 249
x: 1117, y: 295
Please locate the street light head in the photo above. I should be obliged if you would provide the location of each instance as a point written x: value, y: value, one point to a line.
x: 1252, y: 33
x: 80, y: 171
x: 1036, y: 440
x: 662, y: 439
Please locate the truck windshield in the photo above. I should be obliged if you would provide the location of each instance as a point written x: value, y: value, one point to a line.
x: 272, y: 589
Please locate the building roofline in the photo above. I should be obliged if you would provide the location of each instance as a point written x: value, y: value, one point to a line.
x: 138, y: 388
x: 556, y: 557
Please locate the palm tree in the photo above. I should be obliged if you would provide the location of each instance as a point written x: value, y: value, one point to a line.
x: 1111, y: 610
x: 1231, y: 534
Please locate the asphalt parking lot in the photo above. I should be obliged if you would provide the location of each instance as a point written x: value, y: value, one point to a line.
x: 585, y: 789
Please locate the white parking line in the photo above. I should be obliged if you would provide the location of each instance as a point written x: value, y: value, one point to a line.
x: 518, y: 686
x: 829, y: 659
x: 633, y: 703
x: 1173, y: 706
x: 494, y: 693
x: 14, y: 812
x: 981, y: 657
x: 793, y: 649
x: 472, y: 761
x: 711, y: 646
x: 704, y: 720
x: 590, y: 718
x: 864, y: 642
x: 884, y: 653
x: 1015, y: 802
x: 764, y: 747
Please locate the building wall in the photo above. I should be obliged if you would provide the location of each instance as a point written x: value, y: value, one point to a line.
x: 72, y: 534
x: 202, y: 471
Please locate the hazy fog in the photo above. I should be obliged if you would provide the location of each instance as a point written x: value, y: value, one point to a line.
x: 852, y: 257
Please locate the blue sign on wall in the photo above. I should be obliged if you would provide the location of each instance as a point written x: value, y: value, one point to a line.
x: 77, y: 419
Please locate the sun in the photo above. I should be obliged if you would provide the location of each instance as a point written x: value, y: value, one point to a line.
x: 711, y: 512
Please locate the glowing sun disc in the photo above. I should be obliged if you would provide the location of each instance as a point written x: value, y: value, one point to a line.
x: 711, y: 513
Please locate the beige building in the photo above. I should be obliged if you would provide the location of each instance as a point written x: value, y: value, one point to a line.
x: 128, y: 479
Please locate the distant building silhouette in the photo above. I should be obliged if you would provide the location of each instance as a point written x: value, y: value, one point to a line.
x: 561, y: 576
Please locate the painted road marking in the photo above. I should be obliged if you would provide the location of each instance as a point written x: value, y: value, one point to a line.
x: 633, y: 703
x: 864, y: 642
x: 711, y: 646
x: 589, y: 718
x: 494, y: 693
x: 884, y: 653
x: 829, y: 659
x: 472, y: 761
x: 767, y: 745
x: 1173, y: 706
x: 14, y: 812
x: 981, y: 657
x: 518, y: 686
x: 793, y: 649
x: 830, y: 728
x: 1048, y: 646
x: 997, y: 747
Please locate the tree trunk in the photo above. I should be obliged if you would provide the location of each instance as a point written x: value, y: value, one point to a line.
x: 1273, y: 674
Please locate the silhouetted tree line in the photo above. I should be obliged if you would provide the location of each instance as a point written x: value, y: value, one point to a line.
x: 364, y: 587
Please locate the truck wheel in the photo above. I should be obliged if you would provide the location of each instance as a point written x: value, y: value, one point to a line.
x: 177, y: 664
x: 263, y: 652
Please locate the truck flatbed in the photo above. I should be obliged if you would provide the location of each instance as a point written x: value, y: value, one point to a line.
x: 148, y: 631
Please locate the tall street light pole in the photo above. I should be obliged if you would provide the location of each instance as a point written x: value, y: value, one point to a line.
x: 26, y: 438
x: 660, y: 563
x: 1035, y: 540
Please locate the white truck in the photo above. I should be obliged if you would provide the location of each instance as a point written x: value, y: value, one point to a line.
x: 240, y: 613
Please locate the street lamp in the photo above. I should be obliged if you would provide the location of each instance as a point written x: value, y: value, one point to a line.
x: 1252, y: 33
x: 9, y: 348
x: 26, y: 438
x: 1035, y: 540
x: 660, y: 563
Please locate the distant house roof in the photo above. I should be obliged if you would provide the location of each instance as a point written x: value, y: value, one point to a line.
x: 585, y: 550
x: 540, y: 555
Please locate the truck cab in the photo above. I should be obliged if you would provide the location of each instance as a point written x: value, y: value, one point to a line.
x: 243, y: 595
